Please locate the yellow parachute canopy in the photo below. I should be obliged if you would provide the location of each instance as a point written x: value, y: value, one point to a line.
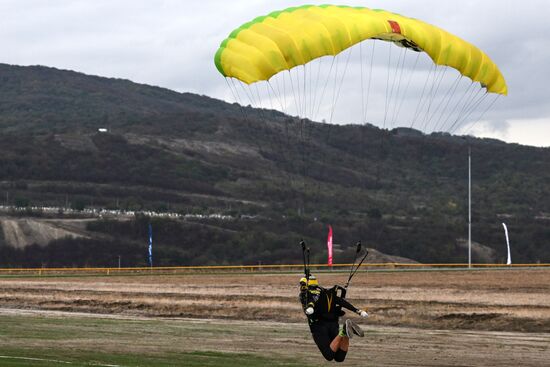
x: 284, y: 39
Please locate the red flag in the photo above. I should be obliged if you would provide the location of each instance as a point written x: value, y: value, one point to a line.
x: 329, y: 245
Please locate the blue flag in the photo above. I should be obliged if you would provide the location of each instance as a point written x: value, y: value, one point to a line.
x: 150, y: 245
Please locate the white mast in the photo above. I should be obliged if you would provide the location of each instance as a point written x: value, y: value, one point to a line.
x: 469, y: 207
x: 509, y: 260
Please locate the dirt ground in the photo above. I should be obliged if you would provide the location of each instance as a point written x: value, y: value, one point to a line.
x: 499, y: 300
x: 418, y: 318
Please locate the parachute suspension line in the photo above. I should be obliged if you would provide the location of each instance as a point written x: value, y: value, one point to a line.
x: 257, y: 100
x: 426, y: 104
x: 307, y: 127
x: 296, y: 86
x: 311, y: 92
x: 305, y: 137
x: 437, y: 84
x: 399, y: 70
x: 304, y: 141
x: 334, y: 90
x: 235, y: 97
x: 241, y: 102
x: 247, y: 93
x: 314, y: 117
x: 276, y: 137
x: 383, y: 136
x: 314, y: 91
x: 304, y: 108
x: 467, y: 103
x: 273, y: 84
x: 337, y: 95
x: 269, y: 97
x: 329, y: 125
x: 475, y: 104
x: 402, y: 99
x: 369, y: 82
x: 286, y: 92
x: 279, y: 139
x: 299, y: 91
x: 364, y: 104
x: 298, y: 128
x: 282, y: 95
x: 271, y: 138
x: 387, y: 86
x: 362, y: 83
x: 314, y: 80
x: 363, y: 112
x: 293, y: 91
x: 471, y: 109
x: 417, y: 111
x: 283, y: 152
x: 231, y: 89
x: 442, y: 106
x: 258, y: 96
x: 460, y: 121
x: 308, y: 97
x: 396, y: 86
x: 295, y: 95
x: 428, y: 97
x: 297, y: 168
x: 263, y: 126
x: 444, y: 125
x: 289, y: 126
x: 288, y: 120
x: 277, y: 96
x: 497, y: 96
x: 235, y: 93
x: 249, y: 121
x: 448, y: 97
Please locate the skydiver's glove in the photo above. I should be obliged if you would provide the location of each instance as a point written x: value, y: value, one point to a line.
x: 362, y: 313
x: 309, y: 311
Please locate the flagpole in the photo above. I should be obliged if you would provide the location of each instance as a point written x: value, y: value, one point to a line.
x: 329, y: 246
x: 151, y: 246
x: 469, y: 207
x: 509, y: 259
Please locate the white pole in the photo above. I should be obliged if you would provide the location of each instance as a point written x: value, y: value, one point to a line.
x: 509, y: 260
x: 469, y: 207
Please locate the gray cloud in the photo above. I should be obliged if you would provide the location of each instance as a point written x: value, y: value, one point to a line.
x: 172, y: 43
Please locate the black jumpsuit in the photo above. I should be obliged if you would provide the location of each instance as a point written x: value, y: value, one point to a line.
x: 323, y: 323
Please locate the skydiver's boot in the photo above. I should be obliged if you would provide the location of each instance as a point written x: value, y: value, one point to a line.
x: 345, y: 329
x: 353, y: 328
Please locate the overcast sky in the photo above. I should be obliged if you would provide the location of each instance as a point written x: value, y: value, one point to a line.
x: 171, y: 44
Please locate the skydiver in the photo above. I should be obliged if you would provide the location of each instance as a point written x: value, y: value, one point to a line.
x: 323, y: 309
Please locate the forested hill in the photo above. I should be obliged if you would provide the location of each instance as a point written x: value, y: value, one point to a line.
x: 275, y: 178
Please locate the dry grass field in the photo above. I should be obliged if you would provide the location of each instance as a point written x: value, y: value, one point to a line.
x: 418, y: 318
x: 502, y: 300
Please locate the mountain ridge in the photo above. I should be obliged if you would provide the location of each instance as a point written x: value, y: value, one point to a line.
x: 164, y: 150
